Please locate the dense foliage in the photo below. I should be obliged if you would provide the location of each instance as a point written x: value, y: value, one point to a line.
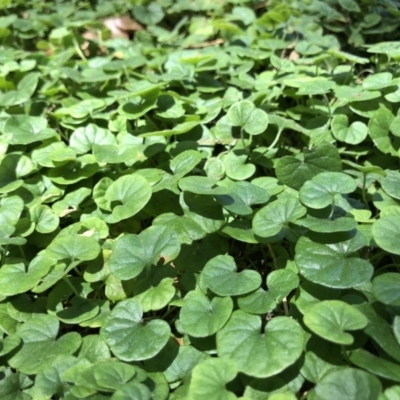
x: 206, y: 208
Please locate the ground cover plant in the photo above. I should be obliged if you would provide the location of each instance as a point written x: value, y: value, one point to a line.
x: 200, y: 200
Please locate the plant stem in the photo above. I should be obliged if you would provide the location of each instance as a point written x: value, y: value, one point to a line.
x: 364, y: 193
x: 72, y: 287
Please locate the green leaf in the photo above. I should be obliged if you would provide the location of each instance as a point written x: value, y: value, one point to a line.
x: 16, y: 278
x: 347, y: 384
x: 46, y: 221
x: 294, y: 172
x: 280, y: 283
x: 385, y: 288
x: 150, y: 14
x: 341, y: 224
x: 132, y: 253
x: 25, y: 89
x: 323, y: 189
x: 128, y: 337
x: 335, y: 265
x: 79, y: 310
x: 201, y: 317
x: 378, y: 366
x: 353, y: 134
x: 329, y: 319
x: 377, y: 81
x: 133, y: 191
x: 380, y: 331
x: 219, y: 275
x: 379, y: 126
x: 391, y: 184
x: 40, y: 346
x: 241, y: 196
x: 242, y: 341
x: 274, y: 218
x: 23, y: 129
x: 209, y: 379
x: 386, y: 233
x: 83, y: 139
x: 73, y: 248
x: 251, y: 119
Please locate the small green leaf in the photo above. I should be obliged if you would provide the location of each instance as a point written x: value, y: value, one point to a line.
x: 391, y: 183
x: 329, y: 319
x: 209, y: 379
x: 323, y: 189
x: 220, y: 275
x: 128, y: 337
x: 251, y: 119
x: 201, y: 317
x: 353, y: 134
x: 386, y: 233
x: 274, y: 218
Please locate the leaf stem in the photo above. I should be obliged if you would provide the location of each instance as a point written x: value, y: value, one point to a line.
x: 72, y: 287
x: 273, y: 256
x: 364, y: 193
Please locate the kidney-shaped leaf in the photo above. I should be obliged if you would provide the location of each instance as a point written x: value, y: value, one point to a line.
x: 209, y: 379
x: 73, y: 248
x: 245, y: 114
x: 334, y: 265
x: 129, y: 338
x: 201, y: 317
x: 16, y: 278
x: 220, y: 275
x: 391, y: 184
x: 353, y: 134
x: 132, y: 253
x: 294, y: 172
x: 347, y: 384
x: 40, y: 346
x: 257, y: 354
x: 280, y: 283
x: 133, y: 191
x: 385, y: 288
x: 276, y: 216
x: 322, y: 189
x: 329, y: 319
x: 386, y: 233
x: 83, y: 139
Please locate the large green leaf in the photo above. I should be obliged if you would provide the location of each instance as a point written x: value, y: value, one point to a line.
x: 40, y: 346
x: 294, y: 171
x: 209, y: 379
x: 347, y: 384
x: 329, y: 319
x: 274, y: 218
x: 128, y: 337
x: 385, y: 288
x: 220, y: 275
x: 256, y: 353
x: 201, y: 317
x: 133, y: 191
x: 386, y: 233
x: 132, y: 253
x: 323, y: 189
x: 335, y: 265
